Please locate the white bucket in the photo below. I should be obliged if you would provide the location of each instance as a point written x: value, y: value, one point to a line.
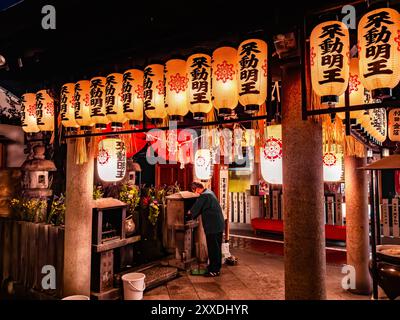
x: 76, y: 297
x: 133, y: 285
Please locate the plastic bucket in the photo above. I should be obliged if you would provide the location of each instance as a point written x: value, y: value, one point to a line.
x: 133, y: 285
x: 76, y: 297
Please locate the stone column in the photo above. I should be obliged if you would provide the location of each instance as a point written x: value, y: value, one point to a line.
x: 357, y: 224
x: 255, y: 200
x: 304, y: 231
x: 78, y: 224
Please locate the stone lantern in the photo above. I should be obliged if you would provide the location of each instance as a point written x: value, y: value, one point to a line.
x: 36, y: 174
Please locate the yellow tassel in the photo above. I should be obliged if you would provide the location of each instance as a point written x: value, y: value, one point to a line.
x: 80, y: 150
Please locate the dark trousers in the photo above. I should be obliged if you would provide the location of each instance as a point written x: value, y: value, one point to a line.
x: 214, y: 244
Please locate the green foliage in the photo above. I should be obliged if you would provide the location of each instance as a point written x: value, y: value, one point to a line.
x: 154, y: 211
x: 32, y: 210
x: 57, y: 211
x: 130, y: 195
x: 98, y: 192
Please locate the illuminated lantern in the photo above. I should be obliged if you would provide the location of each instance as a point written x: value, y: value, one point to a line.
x: 252, y: 77
x: 379, y: 50
x: 333, y: 165
x: 378, y: 126
x: 82, y: 105
x: 114, y: 103
x: 357, y: 94
x: 154, y: 92
x: 98, y: 102
x: 132, y: 95
x: 394, y: 125
x: 271, y: 155
x: 176, y: 94
x: 203, y: 164
x: 329, y: 60
x: 224, y: 80
x: 28, y: 113
x: 67, y: 108
x: 199, y: 92
x: 111, y: 160
x: 44, y: 111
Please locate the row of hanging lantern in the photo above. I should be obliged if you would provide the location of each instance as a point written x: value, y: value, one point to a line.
x: 197, y: 85
x: 370, y: 76
x: 378, y: 50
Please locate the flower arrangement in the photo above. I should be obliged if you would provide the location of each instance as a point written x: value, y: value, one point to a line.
x: 130, y: 194
x: 57, y: 211
x: 32, y: 210
x: 149, y: 201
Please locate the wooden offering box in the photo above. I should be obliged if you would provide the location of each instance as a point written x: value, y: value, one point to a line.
x: 180, y: 237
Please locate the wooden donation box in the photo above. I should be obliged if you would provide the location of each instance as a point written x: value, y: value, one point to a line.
x: 108, y: 236
x: 182, y: 235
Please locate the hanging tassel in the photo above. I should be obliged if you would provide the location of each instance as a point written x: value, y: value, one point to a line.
x: 80, y: 150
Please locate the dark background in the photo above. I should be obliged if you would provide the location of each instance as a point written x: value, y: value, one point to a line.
x: 99, y: 37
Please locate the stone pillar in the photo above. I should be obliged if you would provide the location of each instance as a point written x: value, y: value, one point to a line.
x: 357, y: 224
x: 255, y: 200
x: 303, y: 192
x: 78, y: 224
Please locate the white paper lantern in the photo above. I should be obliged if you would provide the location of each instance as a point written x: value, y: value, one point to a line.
x: 203, y: 164
x: 111, y: 160
x: 271, y: 156
x: 333, y: 165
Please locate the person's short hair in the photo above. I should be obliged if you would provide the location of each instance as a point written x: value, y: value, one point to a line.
x: 196, y: 185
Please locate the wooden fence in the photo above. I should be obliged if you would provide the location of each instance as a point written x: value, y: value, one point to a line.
x: 25, y: 247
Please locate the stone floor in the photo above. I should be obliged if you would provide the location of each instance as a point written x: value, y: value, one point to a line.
x: 258, y: 275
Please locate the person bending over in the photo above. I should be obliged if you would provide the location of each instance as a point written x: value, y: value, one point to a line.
x: 207, y: 205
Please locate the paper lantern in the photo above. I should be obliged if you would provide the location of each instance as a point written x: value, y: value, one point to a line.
x: 198, y: 68
x: 114, y: 103
x: 378, y: 128
x: 44, y: 111
x: 252, y: 80
x: 271, y: 155
x: 132, y: 95
x: 203, y: 164
x: 176, y: 94
x: 333, y: 165
x: 357, y: 94
x: 394, y: 125
x: 154, y: 90
x: 28, y: 113
x: 98, y: 102
x: 111, y: 160
x: 67, y: 107
x: 224, y: 80
x: 329, y: 60
x: 379, y: 50
x: 82, y: 105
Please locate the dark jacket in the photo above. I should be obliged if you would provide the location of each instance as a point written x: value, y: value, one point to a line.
x: 208, y: 206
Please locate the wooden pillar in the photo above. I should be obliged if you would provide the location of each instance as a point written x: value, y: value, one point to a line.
x: 78, y: 224
x: 357, y: 224
x: 304, y: 232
